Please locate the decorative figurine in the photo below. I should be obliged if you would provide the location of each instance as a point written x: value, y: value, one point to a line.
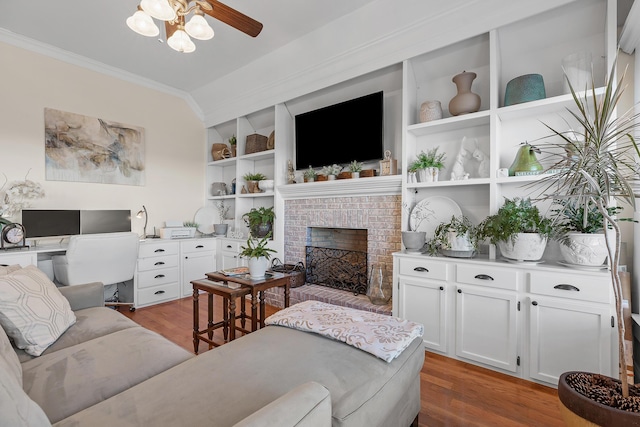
x: 291, y: 176
x: 457, y: 171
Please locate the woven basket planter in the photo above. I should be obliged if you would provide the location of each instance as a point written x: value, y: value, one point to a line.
x: 255, y: 143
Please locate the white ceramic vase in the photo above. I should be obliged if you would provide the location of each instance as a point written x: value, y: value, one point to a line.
x: 585, y: 249
x: 257, y: 267
x: 526, y: 247
x: 460, y: 242
x: 413, y: 240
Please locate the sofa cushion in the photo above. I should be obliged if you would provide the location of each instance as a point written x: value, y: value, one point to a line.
x: 16, y: 408
x: 6, y: 269
x: 32, y: 310
x: 77, y: 377
x: 90, y: 323
x: 225, y: 385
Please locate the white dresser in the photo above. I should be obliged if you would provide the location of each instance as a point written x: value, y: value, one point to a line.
x: 529, y: 321
x: 157, y: 273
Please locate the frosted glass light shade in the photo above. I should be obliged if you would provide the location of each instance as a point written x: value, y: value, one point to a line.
x: 181, y: 42
x: 142, y: 24
x: 198, y: 28
x: 159, y: 9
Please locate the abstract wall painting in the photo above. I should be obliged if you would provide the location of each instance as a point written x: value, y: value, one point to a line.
x: 86, y: 149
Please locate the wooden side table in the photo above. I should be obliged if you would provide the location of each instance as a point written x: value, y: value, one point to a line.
x: 228, y: 323
x: 257, y: 288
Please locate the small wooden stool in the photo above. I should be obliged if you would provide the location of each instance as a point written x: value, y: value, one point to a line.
x: 228, y: 323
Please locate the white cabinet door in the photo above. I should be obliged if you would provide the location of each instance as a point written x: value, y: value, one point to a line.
x: 486, y: 326
x: 566, y: 336
x: 424, y: 301
x: 195, y: 266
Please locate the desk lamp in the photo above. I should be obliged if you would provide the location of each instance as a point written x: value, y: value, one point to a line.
x: 140, y: 214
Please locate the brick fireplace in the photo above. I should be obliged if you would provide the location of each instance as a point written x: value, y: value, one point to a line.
x: 379, y: 215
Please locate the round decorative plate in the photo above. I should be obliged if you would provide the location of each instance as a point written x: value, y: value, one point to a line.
x: 584, y: 267
x: 205, y: 218
x: 429, y: 213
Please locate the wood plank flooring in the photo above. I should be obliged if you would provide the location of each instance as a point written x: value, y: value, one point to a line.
x: 453, y: 393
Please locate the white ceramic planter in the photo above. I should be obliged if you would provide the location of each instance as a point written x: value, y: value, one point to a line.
x: 585, y: 249
x: 257, y: 267
x: 527, y: 247
x: 413, y: 240
x: 459, y: 243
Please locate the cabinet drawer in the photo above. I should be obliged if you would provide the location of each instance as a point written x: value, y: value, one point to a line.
x: 154, y: 263
x: 230, y: 246
x: 157, y: 293
x: 157, y: 277
x: 423, y: 268
x: 22, y: 259
x: 198, y: 246
x: 156, y: 249
x: 574, y: 286
x: 487, y: 275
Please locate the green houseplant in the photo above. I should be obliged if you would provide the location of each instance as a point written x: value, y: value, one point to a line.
x: 258, y: 254
x: 598, y: 172
x: 331, y: 171
x: 427, y: 165
x: 355, y: 167
x: 458, y: 237
x: 252, y: 181
x: 260, y: 221
x: 518, y: 229
x: 310, y: 175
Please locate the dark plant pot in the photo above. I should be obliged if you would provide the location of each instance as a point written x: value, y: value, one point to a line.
x: 261, y: 230
x: 579, y: 410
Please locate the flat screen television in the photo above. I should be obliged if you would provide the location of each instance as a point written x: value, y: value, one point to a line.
x: 50, y: 223
x: 341, y: 133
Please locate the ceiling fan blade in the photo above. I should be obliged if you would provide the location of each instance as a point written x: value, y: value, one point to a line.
x: 234, y: 18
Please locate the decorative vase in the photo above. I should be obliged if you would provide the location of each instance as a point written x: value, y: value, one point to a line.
x: 414, y: 240
x: 585, y: 249
x: 526, y: 247
x: 220, y: 229
x: 257, y: 267
x: 266, y: 185
x: 465, y: 101
x: 375, y: 291
x: 529, y: 87
x: 261, y: 230
x: 424, y: 175
x: 252, y: 187
x: 525, y: 162
x: 430, y: 110
x: 434, y: 172
x: 233, y: 150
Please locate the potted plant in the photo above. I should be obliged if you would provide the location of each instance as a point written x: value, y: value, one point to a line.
x: 252, y: 181
x: 580, y: 231
x: 413, y: 239
x: 220, y: 229
x: 310, y: 175
x: 427, y: 165
x: 599, y: 172
x: 331, y: 171
x: 457, y: 238
x: 233, y: 144
x: 355, y: 167
x: 518, y: 229
x: 260, y: 221
x: 259, y: 255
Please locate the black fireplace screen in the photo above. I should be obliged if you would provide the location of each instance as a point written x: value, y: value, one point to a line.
x: 337, y: 268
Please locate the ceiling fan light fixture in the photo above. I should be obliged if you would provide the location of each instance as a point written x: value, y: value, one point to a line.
x: 180, y: 41
x: 142, y: 24
x: 159, y: 9
x: 198, y: 28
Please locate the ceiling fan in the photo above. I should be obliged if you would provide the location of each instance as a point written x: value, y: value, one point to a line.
x: 173, y: 13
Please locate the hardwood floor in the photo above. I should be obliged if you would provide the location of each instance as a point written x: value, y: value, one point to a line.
x: 453, y: 393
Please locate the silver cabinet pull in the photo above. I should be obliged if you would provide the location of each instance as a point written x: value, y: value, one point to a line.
x: 566, y: 287
x: 483, y: 277
x: 421, y: 269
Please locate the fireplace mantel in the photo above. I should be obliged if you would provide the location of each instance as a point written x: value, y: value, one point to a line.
x: 378, y: 185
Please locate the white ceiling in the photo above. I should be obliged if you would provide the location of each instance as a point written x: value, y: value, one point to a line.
x: 96, y: 29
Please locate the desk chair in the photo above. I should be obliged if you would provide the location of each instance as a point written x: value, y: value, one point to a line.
x: 109, y: 258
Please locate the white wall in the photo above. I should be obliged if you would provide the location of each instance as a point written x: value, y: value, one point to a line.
x: 175, y: 137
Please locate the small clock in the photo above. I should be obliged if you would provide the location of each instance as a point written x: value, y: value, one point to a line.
x: 13, y: 235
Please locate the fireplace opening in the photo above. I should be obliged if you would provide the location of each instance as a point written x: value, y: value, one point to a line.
x: 337, y: 258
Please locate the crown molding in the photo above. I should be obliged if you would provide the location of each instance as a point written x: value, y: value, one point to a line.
x: 35, y: 46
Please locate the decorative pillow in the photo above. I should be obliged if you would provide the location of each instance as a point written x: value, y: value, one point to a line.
x: 33, y: 312
x: 6, y: 269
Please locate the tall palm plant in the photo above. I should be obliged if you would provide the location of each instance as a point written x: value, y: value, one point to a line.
x: 598, y: 172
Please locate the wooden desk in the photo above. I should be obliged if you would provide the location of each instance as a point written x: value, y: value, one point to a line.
x: 228, y: 323
x: 257, y: 288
